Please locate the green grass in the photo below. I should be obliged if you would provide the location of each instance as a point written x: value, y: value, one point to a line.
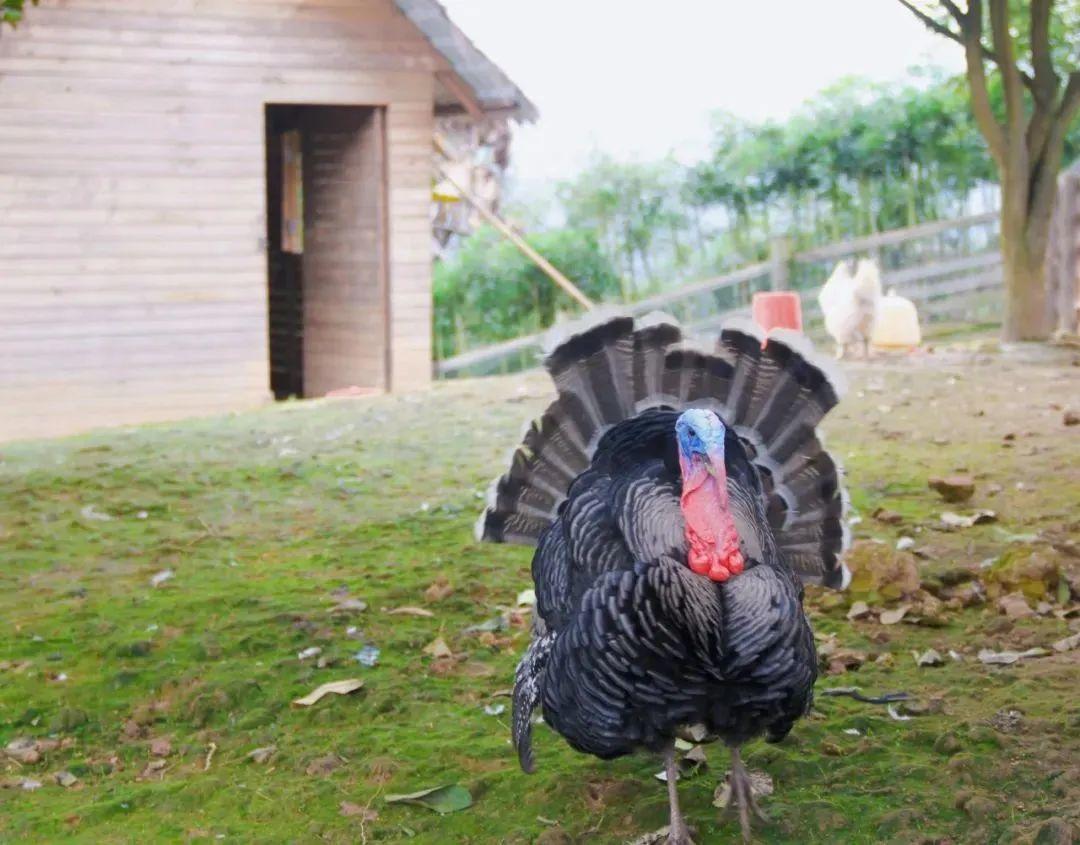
x: 268, y: 519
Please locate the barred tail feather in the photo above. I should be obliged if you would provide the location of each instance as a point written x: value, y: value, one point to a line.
x: 773, y: 392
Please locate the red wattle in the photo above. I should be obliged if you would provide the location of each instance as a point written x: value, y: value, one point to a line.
x: 710, y: 529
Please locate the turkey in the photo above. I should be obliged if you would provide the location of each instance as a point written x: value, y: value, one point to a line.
x: 678, y: 500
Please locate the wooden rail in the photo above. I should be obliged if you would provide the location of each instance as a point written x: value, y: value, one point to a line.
x: 892, y: 237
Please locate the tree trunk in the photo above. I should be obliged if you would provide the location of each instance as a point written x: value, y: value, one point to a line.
x: 1024, y: 235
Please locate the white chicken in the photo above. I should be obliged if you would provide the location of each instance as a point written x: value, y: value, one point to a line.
x: 849, y: 301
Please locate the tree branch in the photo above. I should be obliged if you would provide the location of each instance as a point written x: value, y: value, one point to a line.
x: 1045, y: 171
x: 1044, y: 92
x: 1070, y: 100
x: 953, y: 10
x: 1046, y: 80
x: 1015, y: 123
x: 976, y: 76
x: 958, y: 37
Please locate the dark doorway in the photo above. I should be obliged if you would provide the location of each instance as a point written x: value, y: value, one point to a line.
x: 326, y: 249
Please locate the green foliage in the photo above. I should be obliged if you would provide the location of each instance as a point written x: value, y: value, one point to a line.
x: 489, y: 291
x: 861, y: 157
x: 631, y: 207
x: 11, y: 11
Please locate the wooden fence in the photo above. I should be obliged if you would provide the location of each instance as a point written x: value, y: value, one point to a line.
x: 951, y: 269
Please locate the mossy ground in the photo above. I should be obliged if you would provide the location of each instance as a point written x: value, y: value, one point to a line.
x: 268, y: 519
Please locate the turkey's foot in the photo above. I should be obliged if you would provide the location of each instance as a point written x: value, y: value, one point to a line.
x: 741, y: 796
x: 678, y: 832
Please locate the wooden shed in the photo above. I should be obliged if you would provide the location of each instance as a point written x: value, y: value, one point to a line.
x: 208, y: 203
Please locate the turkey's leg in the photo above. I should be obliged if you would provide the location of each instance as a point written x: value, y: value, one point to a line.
x: 678, y: 832
x: 742, y: 794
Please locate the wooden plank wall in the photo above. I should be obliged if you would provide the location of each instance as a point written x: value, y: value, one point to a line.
x: 132, y: 199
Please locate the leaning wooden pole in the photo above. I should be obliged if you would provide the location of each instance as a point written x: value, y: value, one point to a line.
x: 507, y: 232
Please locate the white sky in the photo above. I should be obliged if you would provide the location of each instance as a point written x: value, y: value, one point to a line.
x: 638, y: 79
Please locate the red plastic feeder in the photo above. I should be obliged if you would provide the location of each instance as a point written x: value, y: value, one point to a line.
x: 777, y: 310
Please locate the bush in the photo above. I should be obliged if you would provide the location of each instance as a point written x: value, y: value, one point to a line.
x: 489, y: 291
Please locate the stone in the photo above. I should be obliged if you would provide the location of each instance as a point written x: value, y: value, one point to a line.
x: 1035, y: 572
x: 1015, y: 606
x: 979, y: 808
x: 554, y: 836
x: 888, y: 517
x: 881, y: 573
x: 1055, y: 831
x: 953, y: 488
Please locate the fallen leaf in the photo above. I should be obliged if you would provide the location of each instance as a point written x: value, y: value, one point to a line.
x: 262, y: 755
x: 495, y: 709
x: 309, y: 652
x: 896, y: 714
x: 152, y: 768
x: 410, y: 611
x: 526, y: 598
x: 439, y: 590
x: 94, y: 515
x: 348, y: 809
x: 955, y: 520
x: 438, y: 648
x: 349, y: 606
x: 1068, y: 644
x: 891, y: 617
x: 1006, y: 720
x: 337, y: 687
x: 991, y: 657
x: 23, y: 749
x: 929, y: 707
x: 496, y: 623
x: 441, y: 799
x: 858, y: 610
x: 761, y: 785
x: 65, y: 779
x: 161, y: 577
x: 323, y: 766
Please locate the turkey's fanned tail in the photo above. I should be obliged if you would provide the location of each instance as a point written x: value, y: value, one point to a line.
x: 774, y: 394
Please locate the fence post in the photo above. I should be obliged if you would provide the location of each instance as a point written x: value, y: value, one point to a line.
x: 780, y: 263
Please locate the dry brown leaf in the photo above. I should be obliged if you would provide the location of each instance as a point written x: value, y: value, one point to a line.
x: 410, y: 611
x: 858, y: 610
x: 322, y: 766
x: 891, y: 617
x: 438, y: 648
x: 262, y: 755
x: 348, y: 808
x: 153, y: 767
x: 439, y: 590
x: 336, y: 687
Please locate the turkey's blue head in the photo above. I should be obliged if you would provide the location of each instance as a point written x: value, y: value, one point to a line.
x: 711, y: 535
